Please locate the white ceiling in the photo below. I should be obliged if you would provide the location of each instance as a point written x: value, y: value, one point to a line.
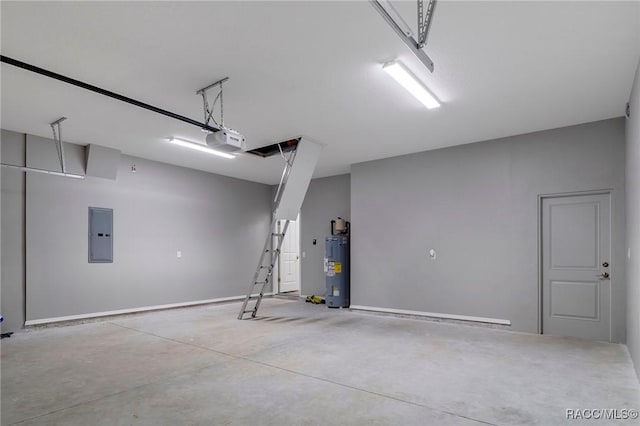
x: 314, y: 68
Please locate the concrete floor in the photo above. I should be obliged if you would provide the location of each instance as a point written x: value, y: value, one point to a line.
x: 303, y: 364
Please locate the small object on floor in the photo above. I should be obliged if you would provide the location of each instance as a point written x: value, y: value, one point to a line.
x: 316, y: 300
x: 5, y: 335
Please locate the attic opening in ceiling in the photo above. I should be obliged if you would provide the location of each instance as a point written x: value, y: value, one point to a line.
x: 276, y: 148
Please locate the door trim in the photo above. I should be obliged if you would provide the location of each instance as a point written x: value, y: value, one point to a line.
x: 277, y: 279
x: 541, y: 197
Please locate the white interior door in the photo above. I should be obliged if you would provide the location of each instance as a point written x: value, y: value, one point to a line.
x: 577, y: 272
x: 289, y: 271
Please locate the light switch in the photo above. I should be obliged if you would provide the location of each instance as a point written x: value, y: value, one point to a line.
x: 304, y: 254
x: 179, y: 254
x: 432, y: 254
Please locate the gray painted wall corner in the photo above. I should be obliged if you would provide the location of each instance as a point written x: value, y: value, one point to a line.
x: 477, y: 206
x: 633, y: 223
x: 12, y: 292
x: 219, y: 224
x: 326, y: 199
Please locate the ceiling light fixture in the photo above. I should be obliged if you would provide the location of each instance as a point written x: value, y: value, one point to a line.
x: 407, y: 80
x: 199, y: 147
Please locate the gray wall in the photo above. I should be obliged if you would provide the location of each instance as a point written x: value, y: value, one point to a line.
x: 218, y: 223
x: 633, y: 224
x: 326, y: 199
x: 477, y: 206
x: 13, y: 267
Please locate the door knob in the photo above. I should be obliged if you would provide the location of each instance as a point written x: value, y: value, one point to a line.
x: 604, y: 276
x: 605, y: 264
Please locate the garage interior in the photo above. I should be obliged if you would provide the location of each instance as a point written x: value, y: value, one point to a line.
x: 488, y: 226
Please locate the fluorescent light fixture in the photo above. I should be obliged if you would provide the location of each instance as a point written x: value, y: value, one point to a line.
x: 199, y: 147
x: 407, y: 80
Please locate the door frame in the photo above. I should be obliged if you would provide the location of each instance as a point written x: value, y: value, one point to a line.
x: 276, y: 275
x: 541, y: 197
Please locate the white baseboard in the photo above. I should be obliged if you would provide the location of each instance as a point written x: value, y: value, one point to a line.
x: 134, y: 310
x: 431, y: 314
